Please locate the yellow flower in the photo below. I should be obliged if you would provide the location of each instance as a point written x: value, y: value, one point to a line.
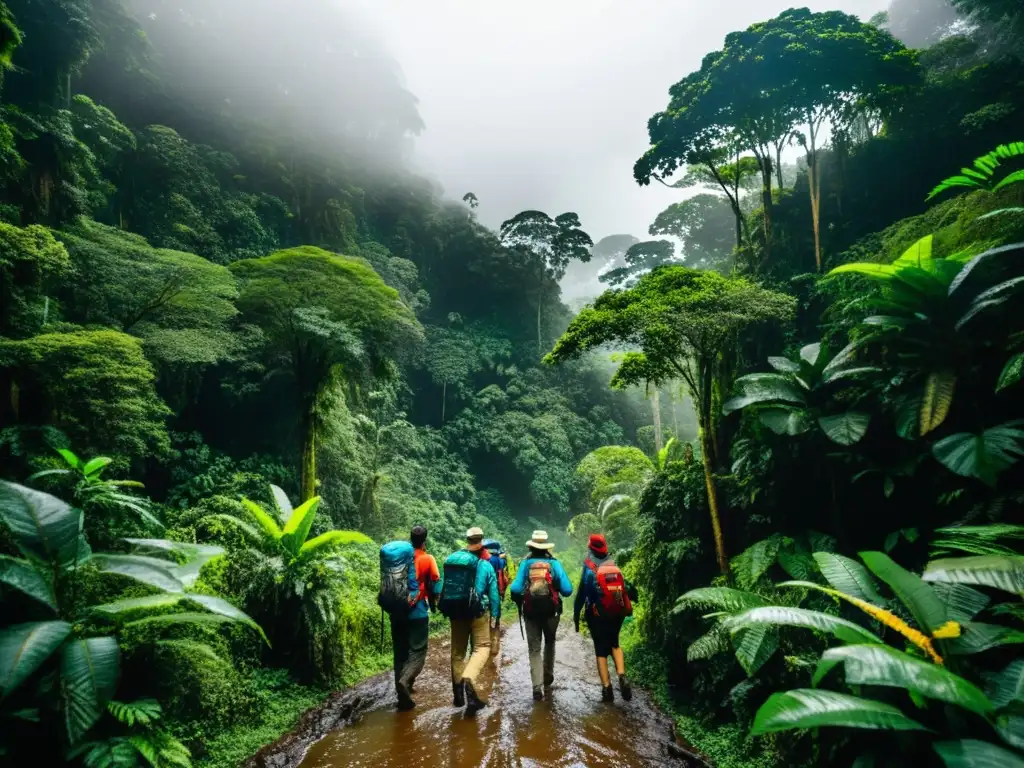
x: 895, y: 623
x: 947, y: 631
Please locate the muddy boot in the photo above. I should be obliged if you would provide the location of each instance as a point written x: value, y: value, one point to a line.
x: 405, y: 702
x: 625, y: 689
x: 538, y: 694
x: 458, y: 695
x: 473, y: 702
x: 607, y: 694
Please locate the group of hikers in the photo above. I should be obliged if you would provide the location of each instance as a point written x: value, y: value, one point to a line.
x: 470, y: 595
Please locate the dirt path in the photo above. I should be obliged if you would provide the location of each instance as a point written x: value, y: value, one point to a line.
x: 571, y: 728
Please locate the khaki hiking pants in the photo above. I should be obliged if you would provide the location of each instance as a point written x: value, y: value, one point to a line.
x: 536, y: 632
x: 496, y: 643
x: 478, y: 631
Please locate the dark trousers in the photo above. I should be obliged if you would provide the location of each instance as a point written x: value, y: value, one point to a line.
x: 409, y: 642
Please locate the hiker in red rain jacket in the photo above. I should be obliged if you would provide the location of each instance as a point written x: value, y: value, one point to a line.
x: 604, y: 598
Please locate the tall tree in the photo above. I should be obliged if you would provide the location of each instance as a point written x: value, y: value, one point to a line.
x: 687, y: 324
x: 822, y: 63
x: 548, y: 245
x: 703, y: 224
x: 327, y: 320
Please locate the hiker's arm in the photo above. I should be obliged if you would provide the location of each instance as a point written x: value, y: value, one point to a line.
x: 518, y: 582
x: 564, y: 585
x: 580, y: 601
x: 433, y: 584
x: 492, y: 592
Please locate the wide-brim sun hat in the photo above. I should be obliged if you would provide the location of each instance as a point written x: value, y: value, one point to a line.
x: 539, y: 540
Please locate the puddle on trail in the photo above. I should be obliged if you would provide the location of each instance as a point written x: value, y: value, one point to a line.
x: 570, y: 728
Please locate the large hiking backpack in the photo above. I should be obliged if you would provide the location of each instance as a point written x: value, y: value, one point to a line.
x: 540, y: 598
x: 459, y: 598
x: 398, y: 585
x: 612, y: 592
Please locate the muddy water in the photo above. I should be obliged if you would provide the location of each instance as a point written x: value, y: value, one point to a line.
x: 571, y: 727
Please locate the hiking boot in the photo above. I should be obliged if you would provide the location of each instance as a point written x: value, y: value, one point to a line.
x: 607, y: 694
x: 625, y: 689
x: 473, y: 702
x: 538, y: 694
x: 458, y: 695
x: 405, y: 702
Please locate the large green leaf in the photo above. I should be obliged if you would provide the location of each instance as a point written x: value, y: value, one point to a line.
x: 149, y: 570
x: 1003, y: 572
x: 26, y: 577
x: 1012, y: 372
x: 88, y: 678
x: 803, y: 708
x: 224, y: 608
x: 977, y: 637
x: 751, y: 564
x: 332, y: 540
x: 924, y: 605
x: 719, y: 599
x: 24, y: 647
x: 883, y: 272
x: 848, y: 576
x: 282, y: 503
x: 917, y: 255
x: 970, y: 753
x: 885, y: 666
x: 95, y: 466
x: 845, y: 428
x: 42, y: 525
x: 983, y: 456
x: 937, y: 399
x: 266, y: 522
x: 149, y: 602
x: 754, y: 646
x: 779, y: 615
x: 759, y: 388
x: 188, y: 617
x: 715, y: 641
x: 785, y: 420
x: 297, y: 528
x: 963, y: 603
x: 1008, y: 685
x: 977, y: 261
x: 195, y: 555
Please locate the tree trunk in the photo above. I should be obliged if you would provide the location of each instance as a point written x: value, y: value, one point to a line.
x: 675, y: 413
x: 308, y: 474
x: 540, y: 345
x: 814, y: 187
x: 656, y: 406
x: 778, y: 166
x: 709, y: 482
x: 444, y: 399
x: 765, y: 163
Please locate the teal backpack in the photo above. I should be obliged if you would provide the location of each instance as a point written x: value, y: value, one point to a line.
x: 459, y: 598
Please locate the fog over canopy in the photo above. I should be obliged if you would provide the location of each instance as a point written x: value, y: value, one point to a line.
x: 544, y: 103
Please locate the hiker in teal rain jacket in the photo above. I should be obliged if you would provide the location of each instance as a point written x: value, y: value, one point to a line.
x: 538, y: 589
x: 472, y: 617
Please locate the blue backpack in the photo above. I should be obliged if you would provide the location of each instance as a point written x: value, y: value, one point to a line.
x: 398, y: 584
x: 459, y: 598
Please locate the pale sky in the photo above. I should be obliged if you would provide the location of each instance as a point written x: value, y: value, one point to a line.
x: 544, y: 103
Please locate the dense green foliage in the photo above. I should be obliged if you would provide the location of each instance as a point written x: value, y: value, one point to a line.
x: 239, y: 297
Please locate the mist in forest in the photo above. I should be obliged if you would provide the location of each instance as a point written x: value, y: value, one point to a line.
x: 540, y: 104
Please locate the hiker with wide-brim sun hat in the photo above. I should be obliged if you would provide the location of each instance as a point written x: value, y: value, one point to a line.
x: 538, y: 589
x: 469, y: 598
x: 605, y: 599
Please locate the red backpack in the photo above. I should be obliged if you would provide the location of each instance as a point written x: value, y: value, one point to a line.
x: 612, y: 594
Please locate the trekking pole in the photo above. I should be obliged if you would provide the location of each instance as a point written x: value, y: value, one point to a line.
x: 519, y: 610
x: 382, y: 629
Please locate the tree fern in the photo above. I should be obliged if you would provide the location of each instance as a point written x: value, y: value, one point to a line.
x: 142, y: 711
x: 982, y: 175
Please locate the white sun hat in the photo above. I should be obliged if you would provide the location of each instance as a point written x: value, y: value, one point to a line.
x: 540, y: 541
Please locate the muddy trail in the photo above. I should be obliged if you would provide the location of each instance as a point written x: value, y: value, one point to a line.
x: 571, y: 727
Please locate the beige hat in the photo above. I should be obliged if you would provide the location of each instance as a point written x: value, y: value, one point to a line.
x: 540, y: 541
x: 477, y: 534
